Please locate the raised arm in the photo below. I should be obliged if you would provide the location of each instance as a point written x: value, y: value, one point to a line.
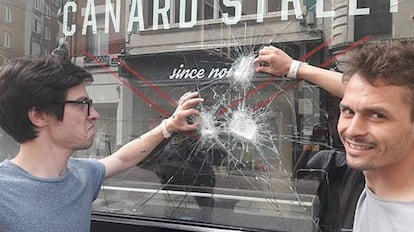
x: 133, y: 152
x: 276, y: 62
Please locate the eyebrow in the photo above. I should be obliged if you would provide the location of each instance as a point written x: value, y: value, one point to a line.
x: 81, y: 98
x: 341, y: 105
x: 369, y: 109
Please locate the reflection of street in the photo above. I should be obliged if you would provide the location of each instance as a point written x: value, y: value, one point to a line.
x: 182, y: 167
x: 8, y: 146
x: 139, y: 192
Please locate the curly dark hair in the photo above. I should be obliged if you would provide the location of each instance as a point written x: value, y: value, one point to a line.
x: 35, y: 82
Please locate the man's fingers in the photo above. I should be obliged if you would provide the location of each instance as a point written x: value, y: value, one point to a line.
x: 188, y: 95
x: 264, y: 69
x: 190, y: 100
x: 267, y: 50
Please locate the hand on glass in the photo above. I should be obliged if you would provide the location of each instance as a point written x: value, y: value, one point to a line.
x: 273, y: 61
x: 185, y: 117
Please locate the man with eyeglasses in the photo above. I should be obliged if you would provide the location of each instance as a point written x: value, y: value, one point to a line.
x: 45, y: 107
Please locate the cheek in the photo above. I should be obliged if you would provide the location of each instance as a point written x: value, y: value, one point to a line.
x: 409, y: 137
x: 75, y: 125
x: 341, y: 125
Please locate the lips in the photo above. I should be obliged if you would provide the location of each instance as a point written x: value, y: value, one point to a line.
x: 360, y: 146
x: 91, y: 129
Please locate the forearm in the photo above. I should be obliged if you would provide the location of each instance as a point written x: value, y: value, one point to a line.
x: 133, y: 152
x: 276, y: 62
x: 328, y: 80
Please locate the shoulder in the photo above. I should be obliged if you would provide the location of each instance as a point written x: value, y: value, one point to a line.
x: 7, y: 169
x: 4, y: 170
x: 325, y: 158
x: 4, y: 163
x: 84, y: 162
x: 87, y: 171
x: 90, y: 166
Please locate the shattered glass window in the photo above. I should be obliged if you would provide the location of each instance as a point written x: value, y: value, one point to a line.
x: 267, y: 156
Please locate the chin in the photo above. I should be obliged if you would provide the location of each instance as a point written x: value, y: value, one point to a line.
x: 361, y: 166
x: 86, y: 145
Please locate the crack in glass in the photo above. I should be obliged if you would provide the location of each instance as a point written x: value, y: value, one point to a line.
x: 231, y: 168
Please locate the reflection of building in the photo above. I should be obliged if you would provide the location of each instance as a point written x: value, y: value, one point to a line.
x: 42, y: 27
x: 11, y: 29
x: 381, y: 20
x: 28, y: 28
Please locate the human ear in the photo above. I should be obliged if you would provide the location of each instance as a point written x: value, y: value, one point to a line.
x: 37, y: 117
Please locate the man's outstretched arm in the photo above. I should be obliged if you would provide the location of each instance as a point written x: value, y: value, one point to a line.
x: 276, y: 62
x: 133, y: 152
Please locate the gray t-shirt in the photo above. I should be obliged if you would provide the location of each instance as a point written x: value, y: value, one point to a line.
x: 29, y: 203
x: 375, y: 215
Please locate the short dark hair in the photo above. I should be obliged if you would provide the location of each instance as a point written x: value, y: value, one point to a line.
x: 35, y: 82
x: 388, y: 61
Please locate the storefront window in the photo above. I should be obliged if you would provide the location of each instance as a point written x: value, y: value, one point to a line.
x: 267, y: 156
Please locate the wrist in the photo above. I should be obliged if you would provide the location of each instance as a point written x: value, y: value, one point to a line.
x: 293, y: 69
x: 165, y: 129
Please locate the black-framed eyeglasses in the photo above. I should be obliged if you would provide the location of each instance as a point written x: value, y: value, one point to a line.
x: 87, y: 102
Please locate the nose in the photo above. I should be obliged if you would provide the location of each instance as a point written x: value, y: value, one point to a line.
x: 93, y: 114
x: 354, y: 126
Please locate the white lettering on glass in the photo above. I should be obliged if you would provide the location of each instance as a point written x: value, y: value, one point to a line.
x: 393, y: 6
x: 237, y: 12
x: 90, y: 12
x: 320, y: 13
x: 163, y: 12
x: 260, y: 11
x: 66, y: 7
x: 353, y: 10
x: 136, y: 8
x: 115, y: 16
x: 136, y: 16
x: 296, y: 7
x: 183, y: 10
x: 193, y: 73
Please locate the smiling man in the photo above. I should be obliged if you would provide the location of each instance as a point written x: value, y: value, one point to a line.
x: 45, y: 107
x: 376, y: 125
